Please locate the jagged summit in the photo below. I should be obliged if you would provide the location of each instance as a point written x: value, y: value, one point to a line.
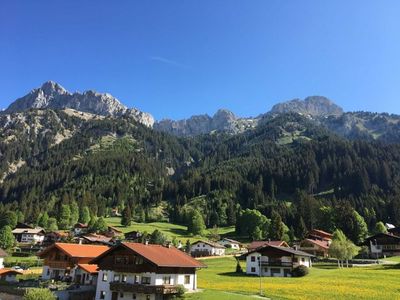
x: 53, y: 95
x: 313, y: 105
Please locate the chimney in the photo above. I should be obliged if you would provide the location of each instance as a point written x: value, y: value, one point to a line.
x: 168, y: 245
x: 146, y: 241
x: 80, y: 241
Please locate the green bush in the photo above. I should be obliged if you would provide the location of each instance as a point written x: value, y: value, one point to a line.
x: 300, y: 271
x: 39, y: 294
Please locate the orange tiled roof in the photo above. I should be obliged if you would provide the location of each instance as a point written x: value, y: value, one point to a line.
x: 77, y: 250
x: 160, y: 255
x: 9, y: 271
x: 92, y: 269
x: 322, y: 244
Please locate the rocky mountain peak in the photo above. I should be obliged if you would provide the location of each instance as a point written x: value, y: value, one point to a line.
x: 313, y: 105
x: 52, y: 95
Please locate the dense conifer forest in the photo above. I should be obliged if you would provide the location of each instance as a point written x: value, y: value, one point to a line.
x: 287, y: 167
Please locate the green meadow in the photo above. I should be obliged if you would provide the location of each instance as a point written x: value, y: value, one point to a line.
x: 324, y: 282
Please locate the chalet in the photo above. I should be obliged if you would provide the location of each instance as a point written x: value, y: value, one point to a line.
x: 112, y: 232
x: 143, y: 271
x: 206, y: 248
x: 394, y: 231
x: 56, y: 237
x: 317, y: 234
x: 29, y: 235
x: 96, y: 239
x: 86, y: 274
x: 257, y: 244
x: 275, y: 261
x: 229, y: 243
x: 383, y: 244
x: 2, y: 255
x: 133, y: 236
x: 9, y: 275
x: 315, y: 247
x: 60, y: 259
x: 80, y: 228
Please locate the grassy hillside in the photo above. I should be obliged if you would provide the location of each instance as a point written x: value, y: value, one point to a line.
x: 378, y: 282
x: 169, y: 229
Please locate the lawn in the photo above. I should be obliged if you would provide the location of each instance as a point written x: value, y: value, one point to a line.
x: 171, y: 230
x: 323, y: 282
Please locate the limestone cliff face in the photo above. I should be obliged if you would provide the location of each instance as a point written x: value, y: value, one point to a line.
x: 314, y: 106
x: 222, y: 121
x: 54, y: 96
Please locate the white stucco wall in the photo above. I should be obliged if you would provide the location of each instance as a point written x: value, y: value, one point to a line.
x: 1, y: 262
x: 206, y: 247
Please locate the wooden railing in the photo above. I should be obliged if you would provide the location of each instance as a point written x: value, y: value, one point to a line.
x: 58, y: 264
x: 277, y: 263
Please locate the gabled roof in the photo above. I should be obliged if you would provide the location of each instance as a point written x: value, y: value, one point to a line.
x: 229, y: 240
x: 28, y: 230
x: 111, y: 228
x: 81, y: 225
x: 91, y: 269
x: 384, y: 235
x: 257, y: 244
x: 97, y: 238
x: 322, y: 244
x: 212, y: 244
x: 4, y: 272
x: 2, y: 253
x: 76, y: 250
x: 284, y: 249
x: 158, y: 255
x: 321, y: 233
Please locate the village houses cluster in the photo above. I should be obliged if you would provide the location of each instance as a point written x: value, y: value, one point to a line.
x: 113, y: 265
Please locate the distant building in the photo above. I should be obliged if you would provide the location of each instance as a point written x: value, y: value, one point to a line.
x: 143, y: 271
x: 2, y: 255
x: 257, y: 244
x: 383, y: 244
x: 317, y: 234
x: 206, y: 248
x: 112, y: 232
x: 80, y: 228
x: 275, y: 261
x: 56, y: 237
x: 96, y: 239
x: 9, y: 275
x: 29, y: 235
x: 315, y: 247
x: 229, y: 243
x: 61, y: 259
x: 133, y: 236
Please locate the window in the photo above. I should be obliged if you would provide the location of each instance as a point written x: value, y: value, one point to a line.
x: 204, y: 245
x: 133, y: 296
x: 187, y: 279
x: 116, y: 278
x: 121, y: 295
x: 136, y: 279
x: 253, y: 270
x: 102, y: 295
x: 198, y: 245
x: 303, y: 259
x: 167, y: 280
x: 121, y: 260
x: 295, y: 259
x: 105, y: 277
x: 146, y: 280
x: 266, y: 270
x: 123, y: 278
x: 139, y: 260
x: 253, y: 258
x: 147, y: 297
x: 48, y: 272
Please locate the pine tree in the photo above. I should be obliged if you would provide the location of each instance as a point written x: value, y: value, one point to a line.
x: 196, y: 224
x: 7, y: 239
x: 84, y: 215
x: 277, y: 228
x: 64, y: 217
x: 126, y: 219
x: 74, y: 213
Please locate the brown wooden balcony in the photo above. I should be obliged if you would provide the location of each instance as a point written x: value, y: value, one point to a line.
x: 276, y: 264
x: 143, y: 288
x: 58, y: 264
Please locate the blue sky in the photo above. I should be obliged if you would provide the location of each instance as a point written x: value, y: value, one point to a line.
x: 179, y: 58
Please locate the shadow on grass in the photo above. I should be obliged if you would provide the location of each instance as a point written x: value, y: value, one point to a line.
x: 389, y: 267
x: 178, y: 231
x: 325, y: 266
x: 234, y: 274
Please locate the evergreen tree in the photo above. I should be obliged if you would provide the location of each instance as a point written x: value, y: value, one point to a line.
x: 84, y: 216
x: 157, y: 237
x: 64, y: 217
x: 126, y: 219
x: 52, y: 224
x: 100, y: 225
x: 74, y: 213
x: 277, y: 227
x: 7, y: 239
x: 196, y: 224
x: 44, y: 220
x: 9, y: 218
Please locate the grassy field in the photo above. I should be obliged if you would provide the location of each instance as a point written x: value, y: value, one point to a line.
x: 171, y: 230
x: 323, y: 282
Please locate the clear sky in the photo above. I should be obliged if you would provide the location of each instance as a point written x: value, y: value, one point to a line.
x: 179, y: 58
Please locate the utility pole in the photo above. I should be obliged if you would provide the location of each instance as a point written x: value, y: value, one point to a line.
x: 259, y: 273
